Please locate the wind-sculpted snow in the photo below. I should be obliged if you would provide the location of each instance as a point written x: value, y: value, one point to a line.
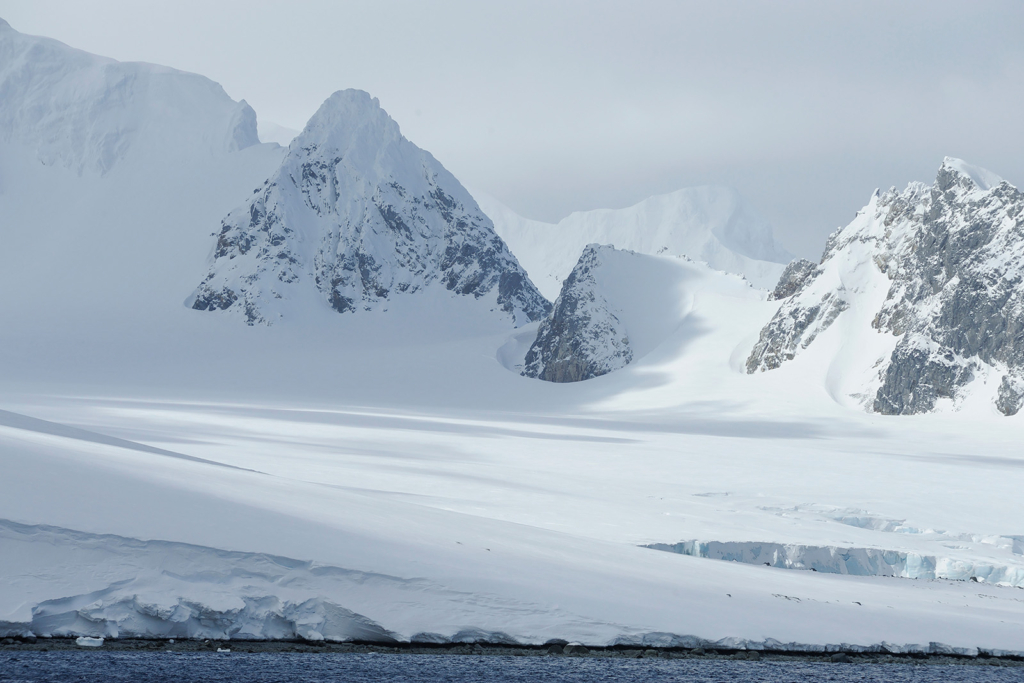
x: 710, y: 224
x: 87, y: 113
x: 616, y: 307
x: 940, y: 269
x: 359, y: 215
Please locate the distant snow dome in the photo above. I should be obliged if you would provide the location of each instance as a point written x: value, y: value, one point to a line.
x: 710, y: 224
x: 356, y: 216
x: 272, y: 132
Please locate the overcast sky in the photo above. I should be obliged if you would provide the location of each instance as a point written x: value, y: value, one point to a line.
x: 804, y: 107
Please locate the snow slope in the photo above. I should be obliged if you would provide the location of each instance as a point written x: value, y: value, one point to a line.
x: 927, y: 286
x: 171, y: 472
x: 87, y: 113
x: 617, y: 306
x: 710, y: 224
x: 356, y: 216
x: 112, y: 177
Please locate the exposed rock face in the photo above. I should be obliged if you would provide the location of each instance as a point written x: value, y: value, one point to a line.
x: 1011, y: 395
x: 793, y: 278
x: 953, y: 258
x: 786, y: 334
x: 361, y: 214
x: 582, y: 338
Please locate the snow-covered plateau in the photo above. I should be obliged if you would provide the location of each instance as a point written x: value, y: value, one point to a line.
x: 389, y: 473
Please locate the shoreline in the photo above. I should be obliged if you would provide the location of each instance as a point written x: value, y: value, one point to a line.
x: 554, y: 648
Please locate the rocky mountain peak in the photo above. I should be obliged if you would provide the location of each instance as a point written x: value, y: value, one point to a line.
x: 358, y: 214
x: 958, y: 173
x: 583, y: 338
x: 347, y: 120
x: 940, y: 270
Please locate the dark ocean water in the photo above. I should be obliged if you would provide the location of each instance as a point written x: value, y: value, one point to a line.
x: 72, y: 667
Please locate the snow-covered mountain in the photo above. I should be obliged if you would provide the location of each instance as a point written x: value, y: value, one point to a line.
x: 86, y: 113
x: 584, y: 337
x: 931, y: 279
x: 112, y: 177
x: 710, y: 224
x: 386, y: 476
x: 359, y: 215
x: 275, y: 132
x: 617, y: 306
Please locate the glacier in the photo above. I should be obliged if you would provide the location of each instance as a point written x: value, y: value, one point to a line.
x: 169, y: 472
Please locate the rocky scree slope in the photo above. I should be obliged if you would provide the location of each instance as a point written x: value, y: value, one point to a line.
x: 87, y: 113
x: 358, y: 214
x: 942, y: 269
x: 583, y: 338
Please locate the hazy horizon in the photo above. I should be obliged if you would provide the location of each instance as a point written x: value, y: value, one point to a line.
x: 805, y: 108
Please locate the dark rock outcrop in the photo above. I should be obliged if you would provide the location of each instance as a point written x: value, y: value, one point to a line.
x: 793, y: 278
x: 583, y: 338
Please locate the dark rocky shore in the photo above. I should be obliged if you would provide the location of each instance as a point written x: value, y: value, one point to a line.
x: 551, y: 649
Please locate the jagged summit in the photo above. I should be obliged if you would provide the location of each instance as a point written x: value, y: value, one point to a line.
x: 357, y: 214
x: 618, y: 306
x: 349, y: 119
x: 929, y: 279
x: 983, y: 179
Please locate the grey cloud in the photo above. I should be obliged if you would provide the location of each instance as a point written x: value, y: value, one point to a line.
x: 805, y: 107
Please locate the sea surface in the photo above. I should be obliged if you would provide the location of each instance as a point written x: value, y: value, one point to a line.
x: 72, y: 667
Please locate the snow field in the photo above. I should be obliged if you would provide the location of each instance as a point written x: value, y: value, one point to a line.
x: 168, y: 472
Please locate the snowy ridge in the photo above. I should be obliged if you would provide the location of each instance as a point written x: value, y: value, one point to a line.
x: 935, y: 273
x: 710, y: 224
x: 616, y: 307
x: 86, y: 113
x: 358, y: 214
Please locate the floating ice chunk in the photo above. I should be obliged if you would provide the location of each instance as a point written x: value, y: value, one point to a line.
x: 85, y: 641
